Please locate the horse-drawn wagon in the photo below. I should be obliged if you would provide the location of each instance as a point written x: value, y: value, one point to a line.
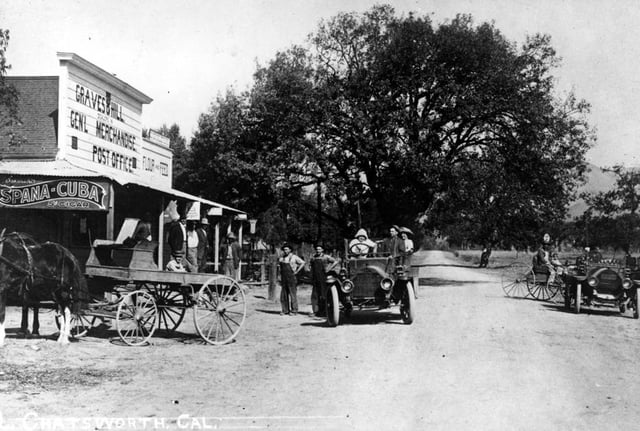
x: 121, y: 283
x: 126, y: 286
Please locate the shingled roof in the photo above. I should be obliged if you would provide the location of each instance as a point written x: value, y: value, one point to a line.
x: 38, y: 112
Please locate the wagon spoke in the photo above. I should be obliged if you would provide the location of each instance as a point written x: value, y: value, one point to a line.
x: 226, y: 318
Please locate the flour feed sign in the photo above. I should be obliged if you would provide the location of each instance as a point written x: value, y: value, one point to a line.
x: 64, y: 194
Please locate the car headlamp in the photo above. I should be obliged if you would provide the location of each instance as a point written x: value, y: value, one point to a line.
x: 386, y: 283
x: 627, y: 283
x: 592, y: 281
x: 347, y: 286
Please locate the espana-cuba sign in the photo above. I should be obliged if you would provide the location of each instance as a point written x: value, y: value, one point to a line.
x: 72, y: 194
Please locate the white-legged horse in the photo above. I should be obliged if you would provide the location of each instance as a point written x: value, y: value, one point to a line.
x: 45, y: 271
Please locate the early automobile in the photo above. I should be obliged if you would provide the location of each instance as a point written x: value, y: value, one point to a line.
x: 371, y: 280
x: 606, y: 283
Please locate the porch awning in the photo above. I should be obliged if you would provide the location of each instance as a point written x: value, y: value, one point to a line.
x: 62, y: 168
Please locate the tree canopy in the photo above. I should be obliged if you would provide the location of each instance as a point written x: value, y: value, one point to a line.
x: 613, y: 218
x: 8, y: 94
x: 449, y: 127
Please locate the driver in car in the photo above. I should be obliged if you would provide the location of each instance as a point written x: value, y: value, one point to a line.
x: 361, y: 245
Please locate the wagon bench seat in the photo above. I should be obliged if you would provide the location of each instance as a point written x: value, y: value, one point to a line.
x: 141, y: 256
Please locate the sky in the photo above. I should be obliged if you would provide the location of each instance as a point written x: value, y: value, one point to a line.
x: 185, y: 53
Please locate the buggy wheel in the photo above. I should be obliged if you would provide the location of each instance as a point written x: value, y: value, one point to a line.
x: 542, y: 291
x: 219, y: 310
x: 514, y: 280
x: 136, y: 318
x: 578, y: 297
x: 333, y: 306
x: 170, y: 304
x: 81, y: 324
x: 408, y: 305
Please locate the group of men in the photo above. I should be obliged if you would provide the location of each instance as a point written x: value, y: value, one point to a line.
x: 398, y: 246
x: 191, y: 245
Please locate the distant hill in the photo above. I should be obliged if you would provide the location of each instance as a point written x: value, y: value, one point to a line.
x: 597, y: 181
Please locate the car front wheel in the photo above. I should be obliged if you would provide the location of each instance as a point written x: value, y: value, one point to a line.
x: 333, y: 307
x: 408, y: 305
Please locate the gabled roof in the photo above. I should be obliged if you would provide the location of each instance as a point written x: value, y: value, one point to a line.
x: 38, y: 113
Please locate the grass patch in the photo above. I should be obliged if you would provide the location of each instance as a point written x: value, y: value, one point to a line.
x: 502, y: 258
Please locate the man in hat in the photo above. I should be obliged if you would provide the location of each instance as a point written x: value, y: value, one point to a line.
x: 391, y: 245
x: 290, y: 265
x: 230, y: 255
x: 203, y: 244
x: 177, y: 239
x: 192, y: 246
x: 320, y: 264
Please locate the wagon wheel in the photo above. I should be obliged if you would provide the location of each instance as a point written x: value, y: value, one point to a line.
x: 170, y: 304
x: 333, y: 306
x: 219, y: 310
x: 136, y: 318
x: 81, y: 323
x: 514, y: 280
x: 408, y: 305
x: 542, y: 291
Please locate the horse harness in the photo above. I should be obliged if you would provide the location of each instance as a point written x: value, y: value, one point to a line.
x: 29, y: 273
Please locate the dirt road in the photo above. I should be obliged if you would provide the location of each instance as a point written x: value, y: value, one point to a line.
x: 473, y: 360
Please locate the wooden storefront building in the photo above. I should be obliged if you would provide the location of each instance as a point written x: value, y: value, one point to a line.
x: 78, y: 165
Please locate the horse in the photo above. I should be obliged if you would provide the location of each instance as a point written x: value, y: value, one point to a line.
x: 26, y: 240
x: 41, y: 271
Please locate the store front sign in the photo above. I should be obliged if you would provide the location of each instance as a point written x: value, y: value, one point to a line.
x: 101, y: 119
x: 64, y: 194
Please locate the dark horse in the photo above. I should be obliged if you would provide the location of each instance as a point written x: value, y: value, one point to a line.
x: 25, y: 240
x: 45, y: 271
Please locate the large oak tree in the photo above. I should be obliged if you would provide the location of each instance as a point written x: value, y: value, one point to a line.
x: 451, y: 126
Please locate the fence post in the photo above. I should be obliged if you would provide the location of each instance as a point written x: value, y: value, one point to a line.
x: 273, y: 274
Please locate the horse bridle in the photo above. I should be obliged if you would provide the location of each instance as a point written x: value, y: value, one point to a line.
x: 28, y: 273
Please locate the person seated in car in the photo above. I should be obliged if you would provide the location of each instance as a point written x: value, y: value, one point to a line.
x: 361, y: 245
x: 594, y: 255
x: 406, y: 245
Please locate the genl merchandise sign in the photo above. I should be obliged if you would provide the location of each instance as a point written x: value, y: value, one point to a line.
x: 64, y: 194
x: 101, y: 128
